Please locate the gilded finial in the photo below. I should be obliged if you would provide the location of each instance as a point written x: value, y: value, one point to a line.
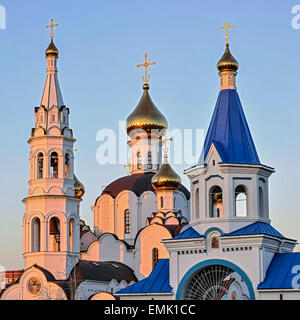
x: 226, y: 27
x: 129, y: 166
x: 147, y: 64
x: 52, y: 26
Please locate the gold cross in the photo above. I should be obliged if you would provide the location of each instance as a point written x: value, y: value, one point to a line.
x: 165, y: 141
x: 227, y: 26
x: 147, y: 64
x: 129, y: 166
x: 52, y: 26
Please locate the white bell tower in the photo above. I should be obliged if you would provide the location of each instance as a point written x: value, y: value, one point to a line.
x: 229, y: 185
x: 51, y: 219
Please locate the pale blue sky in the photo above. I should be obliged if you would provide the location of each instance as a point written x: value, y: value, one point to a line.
x: 100, y: 43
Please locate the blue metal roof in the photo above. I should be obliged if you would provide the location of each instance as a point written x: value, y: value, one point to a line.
x: 229, y: 132
x: 256, y: 228
x: 279, y: 274
x: 189, y: 234
x: 157, y: 282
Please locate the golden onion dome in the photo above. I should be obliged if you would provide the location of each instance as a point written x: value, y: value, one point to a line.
x: 146, y: 116
x: 52, y: 49
x: 227, y: 62
x: 166, y: 178
x: 79, y: 188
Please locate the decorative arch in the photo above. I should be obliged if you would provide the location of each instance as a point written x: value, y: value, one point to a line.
x: 193, y: 270
x: 36, y: 234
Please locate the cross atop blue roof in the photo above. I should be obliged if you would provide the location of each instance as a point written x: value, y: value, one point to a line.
x: 157, y: 282
x: 229, y: 132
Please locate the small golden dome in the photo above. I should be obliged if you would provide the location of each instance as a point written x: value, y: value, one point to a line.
x: 52, y: 49
x: 79, y: 188
x: 146, y: 116
x: 227, y: 62
x: 166, y: 178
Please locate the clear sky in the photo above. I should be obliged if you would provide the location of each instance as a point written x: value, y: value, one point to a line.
x: 101, y: 42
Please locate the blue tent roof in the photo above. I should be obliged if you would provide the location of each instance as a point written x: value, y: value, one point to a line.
x: 256, y: 228
x: 229, y: 131
x: 188, y: 234
x: 279, y: 274
x: 157, y: 282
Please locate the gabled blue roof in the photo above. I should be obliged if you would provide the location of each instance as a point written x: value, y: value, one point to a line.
x: 188, y: 234
x: 157, y: 282
x: 256, y: 228
x: 280, y: 272
x: 229, y: 132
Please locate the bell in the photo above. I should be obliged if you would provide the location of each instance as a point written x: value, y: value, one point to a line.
x: 54, y: 227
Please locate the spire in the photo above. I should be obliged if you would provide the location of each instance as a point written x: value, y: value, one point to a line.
x: 228, y: 130
x: 52, y: 95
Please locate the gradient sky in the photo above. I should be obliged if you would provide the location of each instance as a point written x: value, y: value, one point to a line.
x: 101, y: 42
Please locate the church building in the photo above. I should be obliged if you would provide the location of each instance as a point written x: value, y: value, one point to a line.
x: 152, y: 238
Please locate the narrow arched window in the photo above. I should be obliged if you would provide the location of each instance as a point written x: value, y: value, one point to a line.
x: 64, y: 119
x: 154, y: 257
x: 54, y: 165
x: 216, y: 202
x: 197, y: 204
x: 261, y: 202
x: 53, y: 117
x: 127, y: 221
x: 40, y: 165
x: 71, y: 235
x: 149, y: 165
x: 54, y: 234
x: 174, y: 202
x: 67, y: 166
x: 36, y: 235
x: 240, y: 201
x: 161, y: 202
x: 139, y: 160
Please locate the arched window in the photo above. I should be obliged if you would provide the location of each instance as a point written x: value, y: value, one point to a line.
x: 67, y: 165
x: 64, y: 118
x: 40, y: 165
x: 215, y: 242
x: 216, y: 202
x: 139, y: 160
x: 240, y: 201
x: 161, y: 202
x: 71, y: 235
x: 54, y: 165
x: 261, y: 202
x: 174, y: 202
x: 149, y: 165
x: 127, y: 221
x: 53, y: 117
x: 154, y: 257
x: 197, y: 204
x: 36, y: 235
x: 54, y: 234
